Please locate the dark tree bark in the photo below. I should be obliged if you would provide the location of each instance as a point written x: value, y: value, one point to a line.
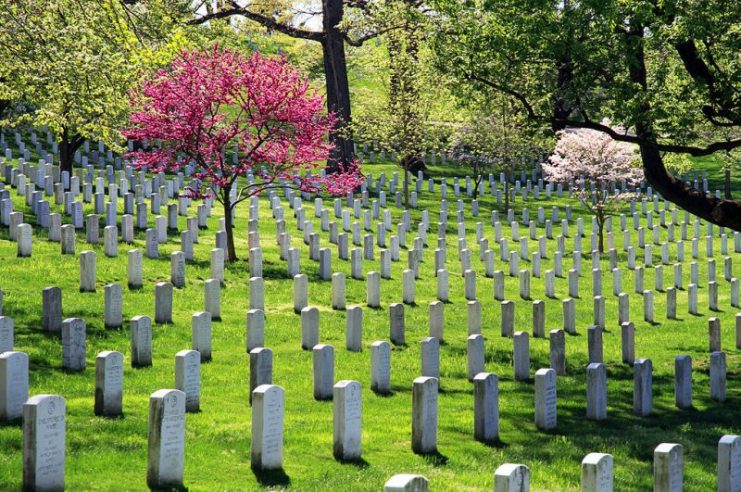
x: 727, y: 193
x: 231, y: 253
x: 4, y: 105
x: 338, y: 88
x: 68, y: 145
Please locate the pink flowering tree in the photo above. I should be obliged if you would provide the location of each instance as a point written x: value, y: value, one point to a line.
x: 245, y: 123
x: 594, y: 165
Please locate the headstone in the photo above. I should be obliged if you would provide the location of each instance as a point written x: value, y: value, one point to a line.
x: 201, y: 335
x: 718, y: 376
x: 212, y: 298
x: 261, y: 368
x: 627, y: 335
x: 714, y: 334
x: 424, y: 415
x: 406, y: 482
x: 569, y: 316
x: 300, y: 292
x: 596, y: 391
x: 381, y: 367
x: 508, y: 318
x: 255, y: 329
x: 642, y: 387
x: 309, y: 327
x: 338, y: 290
x: 511, y: 477
x: 51, y: 309
x: 163, y: 303
x: 323, y: 358
x: 87, y: 271
x: 13, y: 385
x: 436, y: 319
x: 347, y: 420
x: 474, y: 317
x: 594, y: 344
x: 486, y: 407
x: 373, y: 287
x: 538, y: 319
x: 44, y: 442
x: 257, y: 293
x: 134, y: 269
x: 354, y: 329
x: 396, y: 322
x: 109, y: 384
x: 521, y: 356
x: 558, y: 352
x: 73, y: 344
x: 476, y: 353
x: 188, y: 378
x: 596, y: 473
x: 113, y: 312
x: 268, y: 406
x: 141, y: 341
x: 545, y: 399
x: 24, y: 235
x: 729, y: 463
x: 668, y: 468
x: 177, y: 269
x: 683, y: 381
x: 166, y: 447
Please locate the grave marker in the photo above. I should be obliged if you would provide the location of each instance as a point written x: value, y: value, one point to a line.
x: 109, y: 383
x: 44, y: 430
x: 166, y: 443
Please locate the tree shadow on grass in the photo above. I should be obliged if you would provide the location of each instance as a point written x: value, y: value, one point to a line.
x: 272, y: 477
x: 692, y: 427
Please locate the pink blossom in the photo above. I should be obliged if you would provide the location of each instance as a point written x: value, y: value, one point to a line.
x: 592, y: 163
x: 207, y: 103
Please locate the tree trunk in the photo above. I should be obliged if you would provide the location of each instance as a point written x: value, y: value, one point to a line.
x: 68, y: 145
x: 4, y: 105
x: 723, y: 212
x: 727, y: 192
x: 405, y: 166
x: 506, y: 193
x: 338, y: 89
x: 231, y: 254
x: 601, y: 230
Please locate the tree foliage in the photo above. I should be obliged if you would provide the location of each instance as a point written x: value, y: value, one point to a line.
x: 72, y: 64
x: 666, y: 72
x: 497, y: 139
x: 231, y: 115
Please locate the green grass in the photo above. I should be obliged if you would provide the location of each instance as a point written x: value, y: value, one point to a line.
x: 110, y: 454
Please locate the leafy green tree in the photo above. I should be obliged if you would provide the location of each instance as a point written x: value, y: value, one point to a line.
x: 501, y: 140
x: 666, y: 72
x: 72, y: 64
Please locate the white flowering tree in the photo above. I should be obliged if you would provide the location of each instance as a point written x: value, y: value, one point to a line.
x: 594, y: 164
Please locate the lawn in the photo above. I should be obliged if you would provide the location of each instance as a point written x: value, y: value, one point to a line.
x: 110, y: 454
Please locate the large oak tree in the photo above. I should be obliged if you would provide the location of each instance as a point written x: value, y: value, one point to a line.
x: 666, y: 72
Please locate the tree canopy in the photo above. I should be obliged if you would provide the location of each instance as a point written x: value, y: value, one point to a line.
x: 667, y: 73
x: 72, y: 64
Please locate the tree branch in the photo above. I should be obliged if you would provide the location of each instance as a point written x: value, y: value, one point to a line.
x: 263, y: 20
x: 700, y: 72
